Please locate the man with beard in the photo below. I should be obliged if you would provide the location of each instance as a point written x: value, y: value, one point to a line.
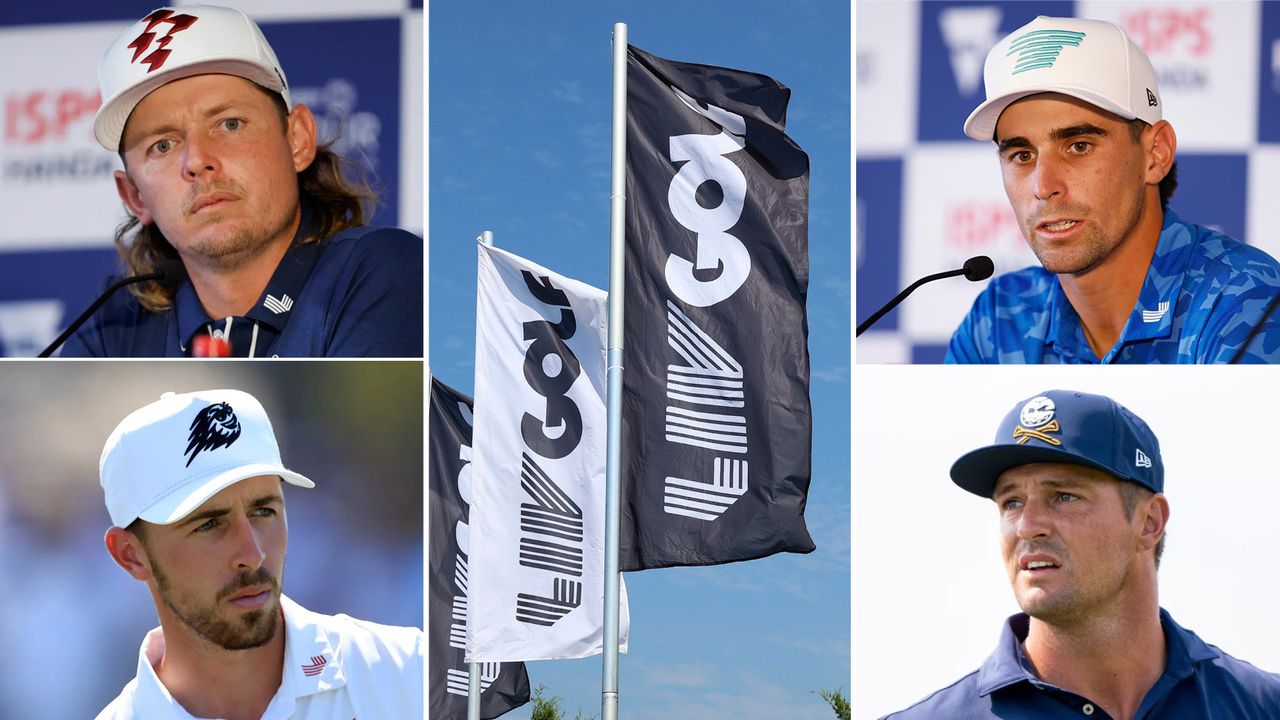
x: 224, y: 179
x: 1088, y: 166
x: 193, y: 484
x: 1078, y: 481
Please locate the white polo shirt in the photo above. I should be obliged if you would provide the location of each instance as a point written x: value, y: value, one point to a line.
x: 335, y: 668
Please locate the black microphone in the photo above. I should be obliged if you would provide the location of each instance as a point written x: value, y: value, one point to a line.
x: 168, y: 274
x: 975, y: 268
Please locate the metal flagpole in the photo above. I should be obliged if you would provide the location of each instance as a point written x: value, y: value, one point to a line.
x: 473, y: 669
x: 617, y: 218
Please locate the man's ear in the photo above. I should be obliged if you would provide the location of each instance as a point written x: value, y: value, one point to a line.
x: 300, y: 128
x: 129, y: 553
x: 1154, y: 512
x: 132, y: 199
x: 1161, y: 145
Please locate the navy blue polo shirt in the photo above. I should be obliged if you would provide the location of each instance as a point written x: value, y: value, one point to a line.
x: 355, y: 294
x: 1199, y: 682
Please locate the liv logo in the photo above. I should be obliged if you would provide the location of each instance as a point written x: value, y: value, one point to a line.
x: 1039, y: 49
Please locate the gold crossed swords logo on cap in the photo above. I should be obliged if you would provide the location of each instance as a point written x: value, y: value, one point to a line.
x: 1024, y: 434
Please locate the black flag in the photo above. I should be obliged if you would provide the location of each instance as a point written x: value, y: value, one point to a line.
x: 716, y: 417
x: 503, y: 686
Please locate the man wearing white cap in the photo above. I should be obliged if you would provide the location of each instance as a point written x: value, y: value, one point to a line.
x: 1088, y: 165
x: 193, y: 484
x: 223, y: 173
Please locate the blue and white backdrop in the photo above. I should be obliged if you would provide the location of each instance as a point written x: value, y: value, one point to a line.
x: 358, y: 66
x: 928, y: 197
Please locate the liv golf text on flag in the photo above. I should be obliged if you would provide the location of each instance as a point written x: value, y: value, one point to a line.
x: 716, y: 421
x: 538, y: 485
x: 503, y: 686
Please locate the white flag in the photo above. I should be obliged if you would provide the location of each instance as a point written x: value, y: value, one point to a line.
x: 537, y: 509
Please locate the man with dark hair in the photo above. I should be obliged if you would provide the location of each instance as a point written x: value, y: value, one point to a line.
x: 1078, y: 481
x: 1088, y: 165
x: 223, y: 173
x: 194, y: 486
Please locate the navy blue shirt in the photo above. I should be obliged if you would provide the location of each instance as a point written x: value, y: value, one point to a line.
x: 356, y: 294
x: 1199, y: 681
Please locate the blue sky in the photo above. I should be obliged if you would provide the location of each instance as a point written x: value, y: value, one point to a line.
x: 518, y: 141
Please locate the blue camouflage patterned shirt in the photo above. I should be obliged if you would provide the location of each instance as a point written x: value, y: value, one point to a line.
x: 1203, y: 294
x: 1199, y: 682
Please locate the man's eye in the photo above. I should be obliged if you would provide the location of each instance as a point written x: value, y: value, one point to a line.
x: 1081, y: 146
x: 1011, y: 504
x: 1066, y: 497
x: 207, y: 525
x: 163, y: 146
x: 232, y: 123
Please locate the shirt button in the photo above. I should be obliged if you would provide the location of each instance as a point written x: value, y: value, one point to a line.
x: 1087, y: 709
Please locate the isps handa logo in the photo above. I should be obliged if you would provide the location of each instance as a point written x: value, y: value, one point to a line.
x: 214, y: 427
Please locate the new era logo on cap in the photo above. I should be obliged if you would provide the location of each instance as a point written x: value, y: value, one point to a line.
x: 1141, y: 460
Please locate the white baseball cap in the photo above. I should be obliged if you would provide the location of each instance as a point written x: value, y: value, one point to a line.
x: 1092, y: 60
x: 174, y: 43
x: 166, y: 459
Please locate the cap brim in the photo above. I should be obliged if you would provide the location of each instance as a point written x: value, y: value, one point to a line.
x: 981, y: 124
x: 184, y: 499
x: 978, y: 471
x: 108, y: 124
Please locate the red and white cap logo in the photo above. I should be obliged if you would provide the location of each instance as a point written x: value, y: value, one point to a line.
x: 174, y: 43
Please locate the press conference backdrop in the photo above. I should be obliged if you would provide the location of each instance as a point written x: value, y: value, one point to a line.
x: 928, y: 197
x: 358, y: 66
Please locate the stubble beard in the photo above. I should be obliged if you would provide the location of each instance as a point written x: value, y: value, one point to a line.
x: 1086, y: 252
x: 235, y: 248
x: 251, y: 629
x: 1078, y: 601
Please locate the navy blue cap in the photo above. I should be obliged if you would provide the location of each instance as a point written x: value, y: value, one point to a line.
x: 1064, y: 426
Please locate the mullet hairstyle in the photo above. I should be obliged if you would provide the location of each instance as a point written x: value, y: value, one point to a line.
x: 335, y: 201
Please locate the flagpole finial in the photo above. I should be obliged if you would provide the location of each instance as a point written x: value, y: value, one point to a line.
x: 485, y: 238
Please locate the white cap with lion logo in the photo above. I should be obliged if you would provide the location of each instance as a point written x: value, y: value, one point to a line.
x: 166, y: 459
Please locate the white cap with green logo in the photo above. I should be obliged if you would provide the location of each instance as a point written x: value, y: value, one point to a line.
x: 1092, y: 60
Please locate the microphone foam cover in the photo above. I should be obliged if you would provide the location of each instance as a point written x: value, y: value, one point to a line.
x: 978, y: 267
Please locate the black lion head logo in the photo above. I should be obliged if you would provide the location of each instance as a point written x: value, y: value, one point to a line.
x: 213, y: 427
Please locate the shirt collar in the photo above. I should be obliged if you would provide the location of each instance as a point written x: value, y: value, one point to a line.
x: 276, y: 302
x: 1152, y: 316
x: 1009, y: 664
x: 311, y: 665
x: 1064, y: 331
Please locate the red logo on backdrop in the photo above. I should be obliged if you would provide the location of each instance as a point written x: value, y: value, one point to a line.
x: 43, y: 115
x: 979, y: 225
x: 1166, y: 29
x: 140, y: 44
